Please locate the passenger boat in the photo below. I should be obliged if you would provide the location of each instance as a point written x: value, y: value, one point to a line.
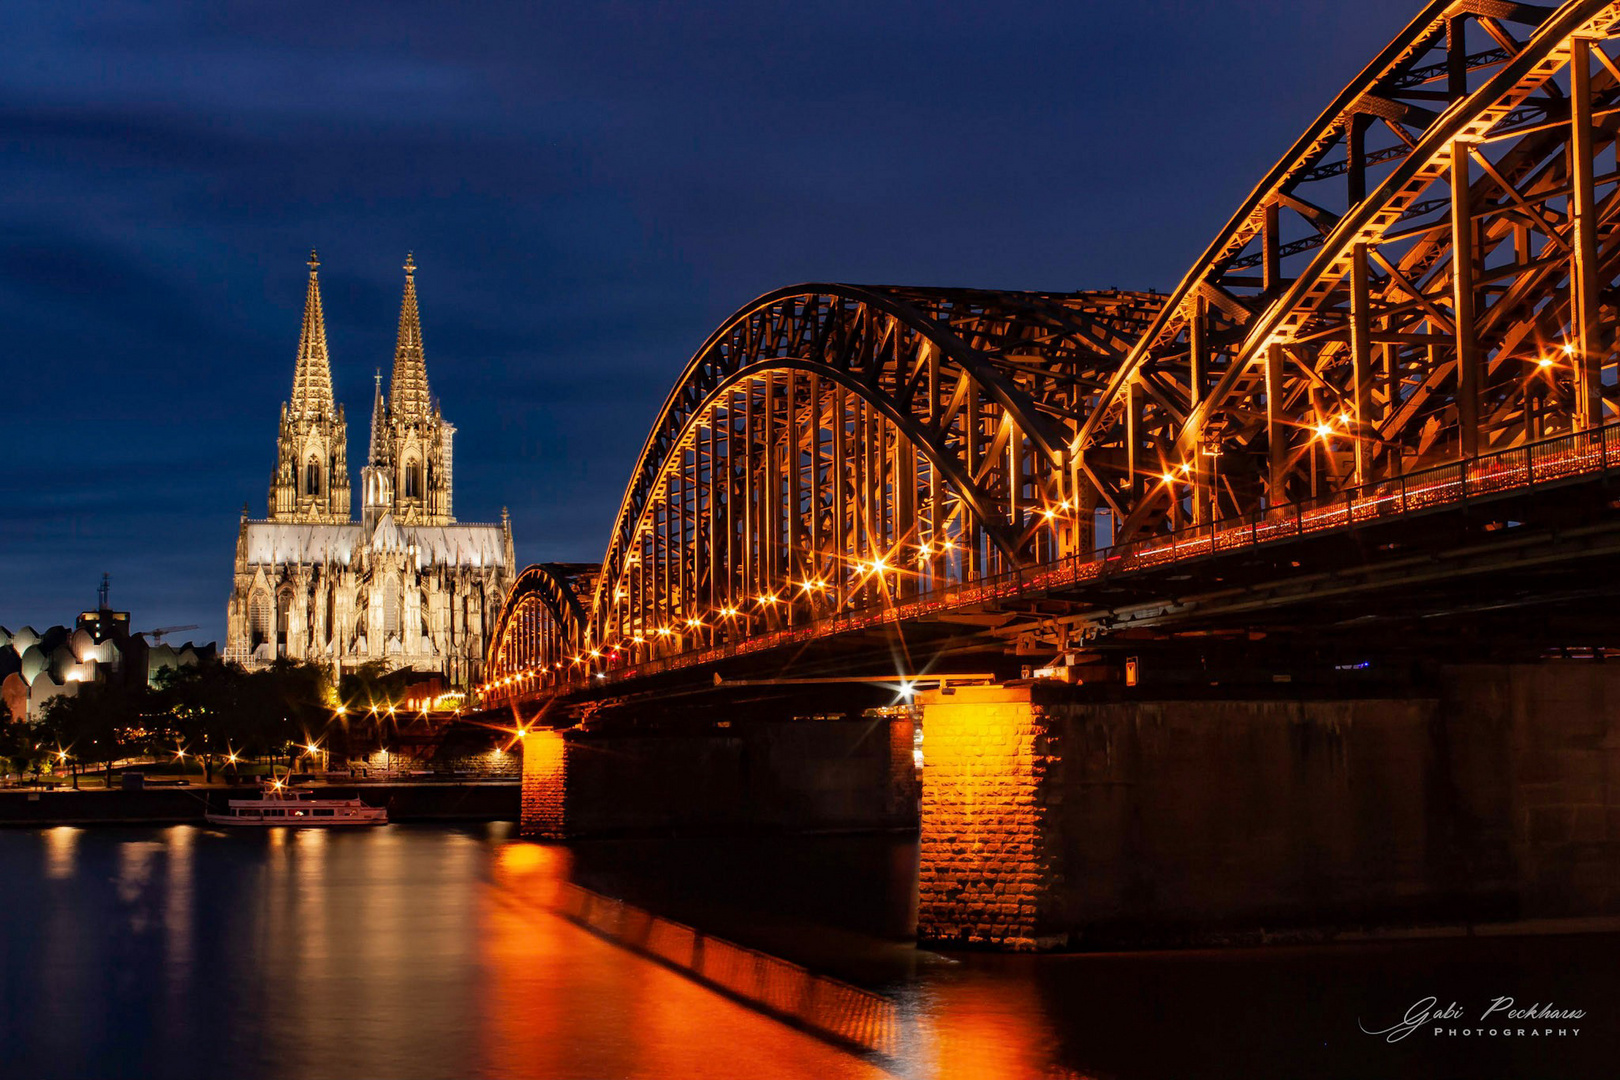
x: 277, y: 806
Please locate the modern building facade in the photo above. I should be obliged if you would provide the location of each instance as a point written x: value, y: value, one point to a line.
x: 406, y: 584
x: 36, y: 666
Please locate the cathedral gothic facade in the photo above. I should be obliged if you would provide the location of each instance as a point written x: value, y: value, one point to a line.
x: 407, y: 584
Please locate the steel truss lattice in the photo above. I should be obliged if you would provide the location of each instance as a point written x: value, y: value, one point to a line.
x: 1427, y: 276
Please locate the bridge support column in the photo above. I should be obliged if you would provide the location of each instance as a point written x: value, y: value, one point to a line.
x: 774, y: 775
x: 984, y: 868
x: 544, y: 812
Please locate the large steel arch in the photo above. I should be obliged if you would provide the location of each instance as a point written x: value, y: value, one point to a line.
x: 1419, y: 280
x: 1427, y: 276
x: 826, y: 432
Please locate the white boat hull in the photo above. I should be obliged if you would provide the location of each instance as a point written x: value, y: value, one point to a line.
x: 294, y: 810
x: 299, y: 822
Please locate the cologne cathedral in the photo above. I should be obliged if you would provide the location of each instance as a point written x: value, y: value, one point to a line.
x: 406, y: 584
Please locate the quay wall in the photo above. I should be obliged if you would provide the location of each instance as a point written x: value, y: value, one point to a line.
x: 169, y: 806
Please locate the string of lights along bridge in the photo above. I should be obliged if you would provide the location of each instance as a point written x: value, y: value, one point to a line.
x: 1414, y: 306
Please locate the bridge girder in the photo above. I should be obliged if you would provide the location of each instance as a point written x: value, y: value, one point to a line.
x: 827, y: 427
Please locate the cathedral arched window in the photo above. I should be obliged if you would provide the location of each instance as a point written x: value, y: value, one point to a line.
x: 312, y: 478
x: 391, y: 603
x: 413, y: 480
x: 259, y: 625
x: 284, y: 603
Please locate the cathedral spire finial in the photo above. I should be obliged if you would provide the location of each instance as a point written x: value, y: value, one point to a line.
x: 312, y: 375
x: 379, y: 426
x: 409, y: 401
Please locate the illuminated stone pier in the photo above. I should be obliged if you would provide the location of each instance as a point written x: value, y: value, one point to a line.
x: 1056, y: 818
x: 985, y: 871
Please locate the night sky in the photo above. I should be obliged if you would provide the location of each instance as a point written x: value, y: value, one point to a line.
x: 589, y: 190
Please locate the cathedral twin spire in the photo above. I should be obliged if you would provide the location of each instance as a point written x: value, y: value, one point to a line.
x: 408, y: 463
x: 312, y: 377
x: 408, y: 396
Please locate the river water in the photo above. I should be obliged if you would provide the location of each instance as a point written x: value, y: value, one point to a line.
x: 419, y: 951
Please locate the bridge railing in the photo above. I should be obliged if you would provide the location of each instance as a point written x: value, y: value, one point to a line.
x: 1553, y: 460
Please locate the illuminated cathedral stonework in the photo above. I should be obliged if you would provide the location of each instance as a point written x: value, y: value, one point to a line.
x: 406, y: 584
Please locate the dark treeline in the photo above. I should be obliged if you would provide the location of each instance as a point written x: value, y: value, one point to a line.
x: 216, y: 714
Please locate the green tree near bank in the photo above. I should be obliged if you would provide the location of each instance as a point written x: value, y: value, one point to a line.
x: 100, y: 725
x: 220, y: 710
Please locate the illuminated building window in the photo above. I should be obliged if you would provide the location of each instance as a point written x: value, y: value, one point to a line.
x: 391, y: 604
x: 259, y: 625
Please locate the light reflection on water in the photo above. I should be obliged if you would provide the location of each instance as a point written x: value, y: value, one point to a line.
x: 393, y: 952
x: 431, y: 952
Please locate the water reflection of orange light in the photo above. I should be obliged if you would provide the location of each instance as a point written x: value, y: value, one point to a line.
x: 59, y: 845
x: 989, y: 1027
x: 549, y: 984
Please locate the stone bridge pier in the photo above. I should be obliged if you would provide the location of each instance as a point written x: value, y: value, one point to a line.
x: 1074, y: 817
x: 784, y: 775
x: 1051, y: 819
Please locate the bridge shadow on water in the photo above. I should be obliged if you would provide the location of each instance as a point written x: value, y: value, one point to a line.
x: 818, y: 931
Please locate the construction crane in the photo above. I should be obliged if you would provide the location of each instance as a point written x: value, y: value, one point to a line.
x: 157, y: 635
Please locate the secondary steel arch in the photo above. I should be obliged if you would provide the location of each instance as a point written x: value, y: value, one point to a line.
x: 540, y: 625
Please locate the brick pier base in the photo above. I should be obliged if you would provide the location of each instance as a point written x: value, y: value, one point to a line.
x: 984, y: 868
x: 544, y: 813
x: 1055, y: 816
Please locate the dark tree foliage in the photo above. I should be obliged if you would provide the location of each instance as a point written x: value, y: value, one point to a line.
x: 209, y: 710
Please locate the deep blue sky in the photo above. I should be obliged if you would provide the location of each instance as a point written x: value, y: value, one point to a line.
x: 589, y: 190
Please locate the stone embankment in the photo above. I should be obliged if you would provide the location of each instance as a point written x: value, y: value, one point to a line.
x: 405, y: 801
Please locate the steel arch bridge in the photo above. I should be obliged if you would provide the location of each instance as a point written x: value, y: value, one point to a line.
x: 541, y: 622
x: 1420, y: 295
